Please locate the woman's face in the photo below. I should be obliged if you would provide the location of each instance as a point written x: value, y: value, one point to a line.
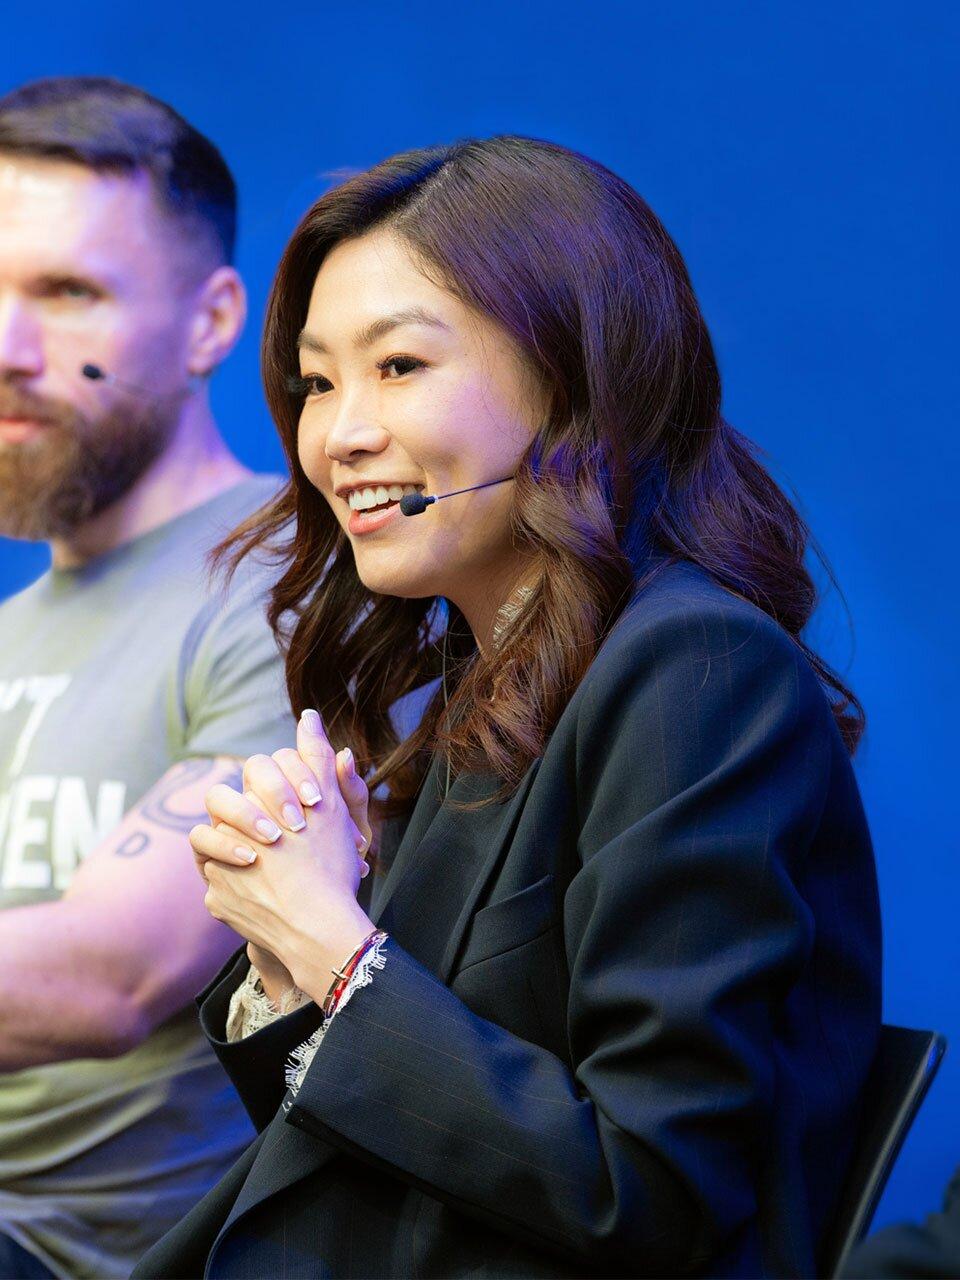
x: 406, y: 386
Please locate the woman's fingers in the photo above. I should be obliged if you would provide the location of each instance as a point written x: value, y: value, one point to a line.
x: 315, y: 750
x: 299, y: 774
x: 351, y: 786
x: 224, y: 843
x: 242, y: 811
x: 333, y: 770
x: 276, y: 789
x: 265, y: 777
x: 336, y: 776
x: 219, y: 844
x: 356, y: 795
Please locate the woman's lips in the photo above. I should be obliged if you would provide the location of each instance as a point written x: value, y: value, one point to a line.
x: 369, y: 521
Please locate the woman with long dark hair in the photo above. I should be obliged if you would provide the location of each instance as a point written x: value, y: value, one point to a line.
x: 611, y: 1002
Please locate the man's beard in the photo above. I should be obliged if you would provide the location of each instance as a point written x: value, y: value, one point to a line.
x: 74, y: 467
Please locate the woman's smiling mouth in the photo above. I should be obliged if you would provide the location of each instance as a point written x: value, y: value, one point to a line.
x: 374, y: 505
x: 371, y: 497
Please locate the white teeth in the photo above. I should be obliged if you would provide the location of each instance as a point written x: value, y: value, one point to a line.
x: 376, y: 496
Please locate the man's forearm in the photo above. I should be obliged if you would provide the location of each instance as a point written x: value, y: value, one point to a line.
x: 52, y: 1007
x: 129, y: 943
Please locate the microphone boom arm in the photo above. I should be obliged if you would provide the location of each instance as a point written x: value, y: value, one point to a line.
x: 414, y: 504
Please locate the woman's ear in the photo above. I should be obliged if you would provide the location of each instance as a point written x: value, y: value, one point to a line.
x: 220, y: 310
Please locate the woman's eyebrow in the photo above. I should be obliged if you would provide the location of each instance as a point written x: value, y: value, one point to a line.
x: 377, y: 329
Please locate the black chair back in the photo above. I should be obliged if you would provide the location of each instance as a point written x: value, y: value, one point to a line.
x: 901, y: 1074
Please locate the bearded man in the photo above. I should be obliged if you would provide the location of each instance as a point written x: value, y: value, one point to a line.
x: 128, y: 684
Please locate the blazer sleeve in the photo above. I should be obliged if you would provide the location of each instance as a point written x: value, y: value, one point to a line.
x: 257, y: 1063
x: 702, y: 758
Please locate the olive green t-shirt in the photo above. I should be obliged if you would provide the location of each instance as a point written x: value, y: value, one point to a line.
x: 110, y: 674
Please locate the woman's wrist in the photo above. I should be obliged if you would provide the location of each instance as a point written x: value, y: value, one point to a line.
x: 353, y: 971
x: 275, y: 979
x: 277, y: 988
x: 313, y: 959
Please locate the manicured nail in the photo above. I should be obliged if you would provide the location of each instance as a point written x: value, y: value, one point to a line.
x: 245, y: 855
x: 309, y: 792
x: 364, y: 870
x: 348, y: 763
x: 293, y: 817
x: 269, y: 830
x: 311, y: 721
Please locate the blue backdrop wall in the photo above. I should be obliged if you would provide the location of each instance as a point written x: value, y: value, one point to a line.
x: 804, y: 158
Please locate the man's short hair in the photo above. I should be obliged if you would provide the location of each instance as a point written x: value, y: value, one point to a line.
x: 112, y: 127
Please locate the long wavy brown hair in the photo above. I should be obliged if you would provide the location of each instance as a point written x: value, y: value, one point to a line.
x: 573, y: 265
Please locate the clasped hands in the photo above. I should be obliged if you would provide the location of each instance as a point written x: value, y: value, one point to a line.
x: 283, y: 860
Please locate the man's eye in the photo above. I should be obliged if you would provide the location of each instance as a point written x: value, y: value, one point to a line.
x: 401, y: 365
x: 72, y: 290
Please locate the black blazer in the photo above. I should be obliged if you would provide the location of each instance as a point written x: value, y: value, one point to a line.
x: 625, y: 1016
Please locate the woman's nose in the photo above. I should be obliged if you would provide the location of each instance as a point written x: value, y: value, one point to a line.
x: 354, y: 431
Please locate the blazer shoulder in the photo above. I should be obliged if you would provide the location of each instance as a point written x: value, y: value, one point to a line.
x: 693, y: 638
x: 695, y: 683
x: 681, y: 598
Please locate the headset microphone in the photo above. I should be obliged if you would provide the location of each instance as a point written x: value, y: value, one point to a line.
x: 96, y: 374
x: 414, y: 504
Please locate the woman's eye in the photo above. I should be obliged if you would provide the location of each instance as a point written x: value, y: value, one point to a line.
x: 401, y: 365
x: 304, y: 385
x: 308, y: 384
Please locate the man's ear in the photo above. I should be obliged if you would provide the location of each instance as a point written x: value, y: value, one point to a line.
x: 220, y: 309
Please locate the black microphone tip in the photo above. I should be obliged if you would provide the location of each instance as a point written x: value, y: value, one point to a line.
x: 414, y: 504
x: 93, y: 372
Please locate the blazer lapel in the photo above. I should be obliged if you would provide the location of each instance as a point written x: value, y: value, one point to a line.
x: 445, y: 861
x: 425, y: 809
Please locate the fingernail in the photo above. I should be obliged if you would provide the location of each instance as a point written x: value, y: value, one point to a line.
x: 245, y: 855
x: 293, y: 817
x: 311, y: 721
x: 269, y: 830
x: 364, y: 870
x: 348, y: 762
x: 309, y: 792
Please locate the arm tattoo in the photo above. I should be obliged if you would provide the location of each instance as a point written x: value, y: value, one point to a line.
x: 135, y: 843
x: 159, y: 805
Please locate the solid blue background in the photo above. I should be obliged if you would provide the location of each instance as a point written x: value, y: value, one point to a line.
x: 804, y: 158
